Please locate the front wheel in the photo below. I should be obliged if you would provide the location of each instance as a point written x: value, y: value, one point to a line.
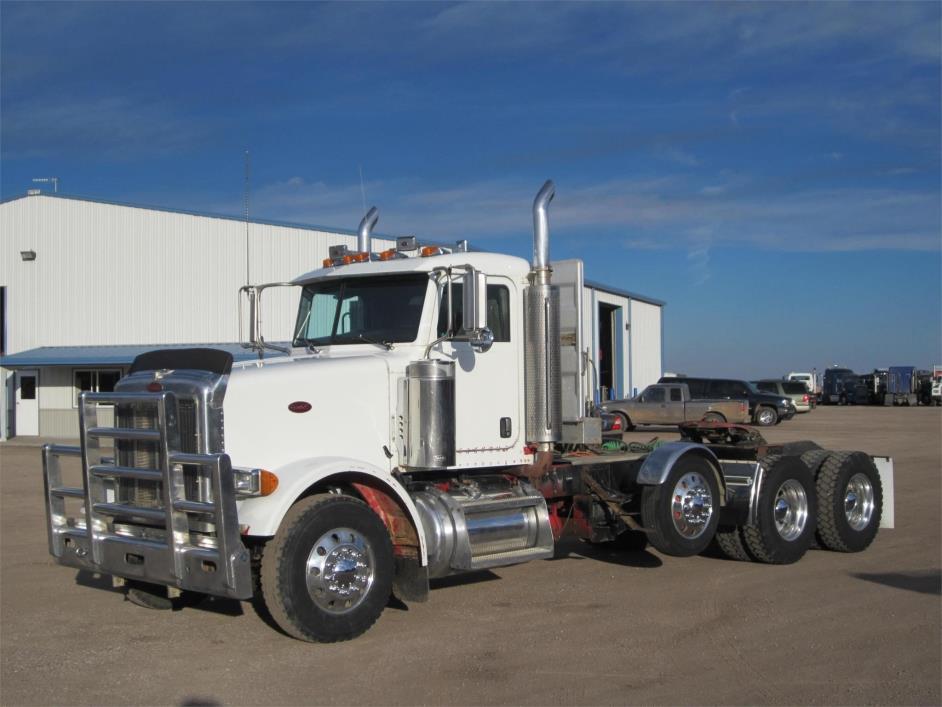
x: 327, y: 574
x: 682, y: 513
x: 766, y: 417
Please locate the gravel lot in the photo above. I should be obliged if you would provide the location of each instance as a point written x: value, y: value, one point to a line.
x: 591, y: 627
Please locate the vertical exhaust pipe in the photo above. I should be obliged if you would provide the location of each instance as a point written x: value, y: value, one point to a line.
x: 366, y: 228
x: 544, y: 411
x: 541, y: 228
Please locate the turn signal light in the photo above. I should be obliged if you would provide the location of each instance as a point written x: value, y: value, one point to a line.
x: 267, y: 483
x: 616, y: 423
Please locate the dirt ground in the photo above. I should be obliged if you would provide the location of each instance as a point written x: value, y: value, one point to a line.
x: 591, y: 627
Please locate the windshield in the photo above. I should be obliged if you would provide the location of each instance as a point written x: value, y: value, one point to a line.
x: 356, y: 310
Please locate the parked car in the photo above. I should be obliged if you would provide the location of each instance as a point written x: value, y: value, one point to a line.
x: 796, y: 390
x: 670, y: 403
x: 765, y: 409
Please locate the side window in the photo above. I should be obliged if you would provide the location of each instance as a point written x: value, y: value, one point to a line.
x: 653, y: 395
x: 675, y: 395
x: 767, y: 387
x: 697, y: 388
x: 716, y: 389
x: 498, y: 310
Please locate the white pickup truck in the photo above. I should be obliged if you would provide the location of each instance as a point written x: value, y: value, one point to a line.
x: 670, y: 404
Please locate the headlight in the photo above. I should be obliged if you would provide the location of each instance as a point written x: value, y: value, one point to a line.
x: 254, y: 482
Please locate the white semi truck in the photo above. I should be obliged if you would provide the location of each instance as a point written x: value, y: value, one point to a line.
x: 421, y: 423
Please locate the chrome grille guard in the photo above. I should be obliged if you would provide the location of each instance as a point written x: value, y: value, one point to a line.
x: 167, y: 554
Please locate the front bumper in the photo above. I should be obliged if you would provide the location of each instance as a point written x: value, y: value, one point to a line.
x: 157, y: 545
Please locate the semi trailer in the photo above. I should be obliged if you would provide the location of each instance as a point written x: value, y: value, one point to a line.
x: 432, y: 415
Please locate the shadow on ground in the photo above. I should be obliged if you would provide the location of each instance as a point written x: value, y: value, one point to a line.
x: 923, y: 582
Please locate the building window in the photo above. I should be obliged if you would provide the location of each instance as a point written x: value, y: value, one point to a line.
x: 96, y: 381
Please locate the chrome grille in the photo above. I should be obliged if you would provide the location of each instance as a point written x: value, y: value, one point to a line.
x: 143, y: 454
x: 139, y: 454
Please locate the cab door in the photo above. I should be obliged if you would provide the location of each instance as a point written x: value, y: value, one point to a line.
x: 487, y: 385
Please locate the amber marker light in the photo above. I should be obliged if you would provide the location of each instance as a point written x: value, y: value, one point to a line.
x: 388, y: 254
x: 267, y: 483
x: 359, y: 257
x: 430, y: 250
x: 328, y: 263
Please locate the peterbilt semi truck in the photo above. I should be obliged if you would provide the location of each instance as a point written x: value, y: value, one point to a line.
x: 432, y: 415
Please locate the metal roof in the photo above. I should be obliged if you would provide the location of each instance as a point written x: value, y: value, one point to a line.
x: 623, y: 293
x: 306, y: 227
x: 105, y: 355
x: 188, y: 212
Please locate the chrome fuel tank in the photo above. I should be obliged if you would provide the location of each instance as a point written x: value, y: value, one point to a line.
x: 429, y: 397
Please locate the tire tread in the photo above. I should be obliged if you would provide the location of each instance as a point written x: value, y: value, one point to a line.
x: 273, y: 590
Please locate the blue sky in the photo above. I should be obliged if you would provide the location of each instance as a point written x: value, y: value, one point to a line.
x: 770, y: 170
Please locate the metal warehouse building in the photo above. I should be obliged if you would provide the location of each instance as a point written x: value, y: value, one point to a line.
x: 87, y: 285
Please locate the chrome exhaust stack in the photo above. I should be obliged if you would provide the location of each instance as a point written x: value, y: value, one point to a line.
x: 366, y: 228
x: 544, y: 405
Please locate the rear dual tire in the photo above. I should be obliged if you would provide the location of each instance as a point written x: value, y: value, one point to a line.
x: 785, y: 517
x: 851, y: 499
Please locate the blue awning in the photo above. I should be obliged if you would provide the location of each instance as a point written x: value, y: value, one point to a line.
x: 97, y: 356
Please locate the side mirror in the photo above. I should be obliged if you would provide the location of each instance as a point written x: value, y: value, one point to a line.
x: 251, y: 294
x: 474, y: 311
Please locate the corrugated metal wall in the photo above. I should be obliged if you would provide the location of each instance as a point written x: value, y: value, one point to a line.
x: 641, y: 342
x: 646, y: 358
x: 109, y: 274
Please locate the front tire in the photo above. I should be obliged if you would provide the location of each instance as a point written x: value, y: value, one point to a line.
x: 766, y: 416
x: 682, y: 513
x: 327, y: 574
x: 785, y: 513
x: 851, y: 498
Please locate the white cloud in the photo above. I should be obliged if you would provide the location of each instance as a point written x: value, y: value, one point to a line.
x: 638, y: 213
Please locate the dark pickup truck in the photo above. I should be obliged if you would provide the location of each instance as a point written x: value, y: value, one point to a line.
x: 764, y: 409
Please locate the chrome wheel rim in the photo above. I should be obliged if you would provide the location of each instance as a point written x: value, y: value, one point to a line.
x: 340, y: 570
x: 691, y: 505
x: 790, y: 510
x: 765, y: 416
x: 858, y: 501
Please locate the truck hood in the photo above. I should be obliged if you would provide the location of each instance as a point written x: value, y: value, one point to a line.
x: 284, y: 409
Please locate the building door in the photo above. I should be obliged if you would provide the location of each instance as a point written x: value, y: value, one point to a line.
x: 26, y: 414
x: 611, y: 344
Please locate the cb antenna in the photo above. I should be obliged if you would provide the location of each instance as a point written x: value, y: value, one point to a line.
x: 245, y: 211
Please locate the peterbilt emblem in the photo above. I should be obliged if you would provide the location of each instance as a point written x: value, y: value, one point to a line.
x: 299, y: 406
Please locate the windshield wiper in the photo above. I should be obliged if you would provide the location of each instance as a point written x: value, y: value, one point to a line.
x: 311, y: 348
x: 385, y: 344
